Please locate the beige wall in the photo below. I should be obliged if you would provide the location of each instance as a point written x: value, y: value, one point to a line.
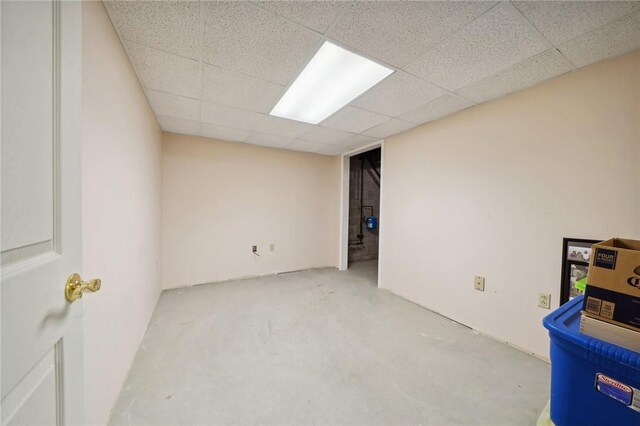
x: 492, y: 190
x: 220, y: 198
x: 121, y: 160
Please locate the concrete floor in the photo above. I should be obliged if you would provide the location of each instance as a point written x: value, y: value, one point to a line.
x: 321, y: 347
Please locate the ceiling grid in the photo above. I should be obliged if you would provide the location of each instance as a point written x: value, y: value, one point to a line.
x: 216, y: 69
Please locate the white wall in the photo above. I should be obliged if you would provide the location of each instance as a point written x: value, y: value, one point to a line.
x: 220, y: 198
x: 492, y: 191
x: 121, y: 161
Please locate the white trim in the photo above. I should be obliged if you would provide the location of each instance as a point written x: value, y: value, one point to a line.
x: 343, y: 248
x: 372, y: 145
x: 381, y: 215
x: 343, y: 241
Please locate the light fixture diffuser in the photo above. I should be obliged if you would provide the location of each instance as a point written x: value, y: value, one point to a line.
x: 332, y: 79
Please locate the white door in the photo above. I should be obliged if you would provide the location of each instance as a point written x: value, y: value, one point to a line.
x: 40, y: 234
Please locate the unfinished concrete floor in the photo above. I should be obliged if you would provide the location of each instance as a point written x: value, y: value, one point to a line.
x: 321, y: 347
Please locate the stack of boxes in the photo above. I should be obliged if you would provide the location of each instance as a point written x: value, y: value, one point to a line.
x: 611, y: 310
x: 595, y: 372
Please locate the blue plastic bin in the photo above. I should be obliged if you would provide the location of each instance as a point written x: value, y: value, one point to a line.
x: 576, y: 359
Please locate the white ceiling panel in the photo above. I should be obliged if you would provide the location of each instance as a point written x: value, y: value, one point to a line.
x: 389, y: 127
x: 229, y: 117
x: 241, y: 37
x: 171, y: 105
x: 397, y: 33
x: 534, y: 70
x: 268, y: 140
x: 177, y: 125
x: 448, y: 104
x: 165, y: 71
x: 223, y: 133
x: 317, y: 15
x: 561, y: 21
x: 398, y: 93
x: 354, y: 120
x: 496, y: 40
x: 335, y: 150
x: 171, y: 26
x: 307, y: 146
x: 282, y: 127
x: 225, y: 87
x: 325, y: 135
x: 613, y: 39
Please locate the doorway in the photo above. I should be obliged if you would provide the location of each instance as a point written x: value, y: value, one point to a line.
x: 364, y: 206
x: 361, y: 208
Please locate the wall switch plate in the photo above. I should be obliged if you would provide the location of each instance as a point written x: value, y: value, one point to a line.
x: 478, y: 283
x: 544, y: 300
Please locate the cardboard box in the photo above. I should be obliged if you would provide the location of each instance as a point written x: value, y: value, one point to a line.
x: 613, y: 283
x: 611, y: 333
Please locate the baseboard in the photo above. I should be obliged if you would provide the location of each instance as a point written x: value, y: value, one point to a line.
x: 246, y: 277
x: 482, y: 333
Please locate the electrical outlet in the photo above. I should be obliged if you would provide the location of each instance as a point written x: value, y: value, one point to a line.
x: 544, y: 300
x: 272, y: 247
x: 254, y: 249
x: 478, y: 283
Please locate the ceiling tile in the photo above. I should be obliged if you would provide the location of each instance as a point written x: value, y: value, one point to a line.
x: 354, y: 120
x: 496, y: 40
x: 398, y: 32
x: 611, y: 40
x: 388, y: 128
x: 177, y: 125
x: 229, y: 117
x: 448, y: 104
x: 268, y: 140
x: 242, y: 37
x: 237, y: 90
x: 325, y: 135
x: 534, y: 70
x: 175, y: 106
x: 398, y: 93
x: 307, y: 146
x: 335, y: 150
x: 282, y: 127
x: 171, y: 26
x: 564, y: 20
x: 357, y: 141
x: 317, y: 15
x: 164, y: 71
x: 223, y: 133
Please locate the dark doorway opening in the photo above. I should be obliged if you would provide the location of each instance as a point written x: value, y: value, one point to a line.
x: 364, y: 206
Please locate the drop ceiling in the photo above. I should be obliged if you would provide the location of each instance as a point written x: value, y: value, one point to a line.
x: 216, y: 68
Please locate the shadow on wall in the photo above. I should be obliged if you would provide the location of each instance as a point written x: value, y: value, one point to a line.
x: 364, y: 202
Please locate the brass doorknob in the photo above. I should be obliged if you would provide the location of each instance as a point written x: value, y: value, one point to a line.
x: 75, y: 287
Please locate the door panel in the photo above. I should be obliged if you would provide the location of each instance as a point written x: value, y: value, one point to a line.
x: 30, y: 402
x: 28, y: 74
x: 41, y: 242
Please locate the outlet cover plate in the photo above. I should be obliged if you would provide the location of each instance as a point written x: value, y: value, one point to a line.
x: 544, y: 300
x: 478, y: 283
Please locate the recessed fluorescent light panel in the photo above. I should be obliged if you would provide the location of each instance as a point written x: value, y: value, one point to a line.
x: 332, y: 79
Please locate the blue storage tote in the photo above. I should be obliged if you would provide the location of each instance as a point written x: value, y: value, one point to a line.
x: 592, y: 382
